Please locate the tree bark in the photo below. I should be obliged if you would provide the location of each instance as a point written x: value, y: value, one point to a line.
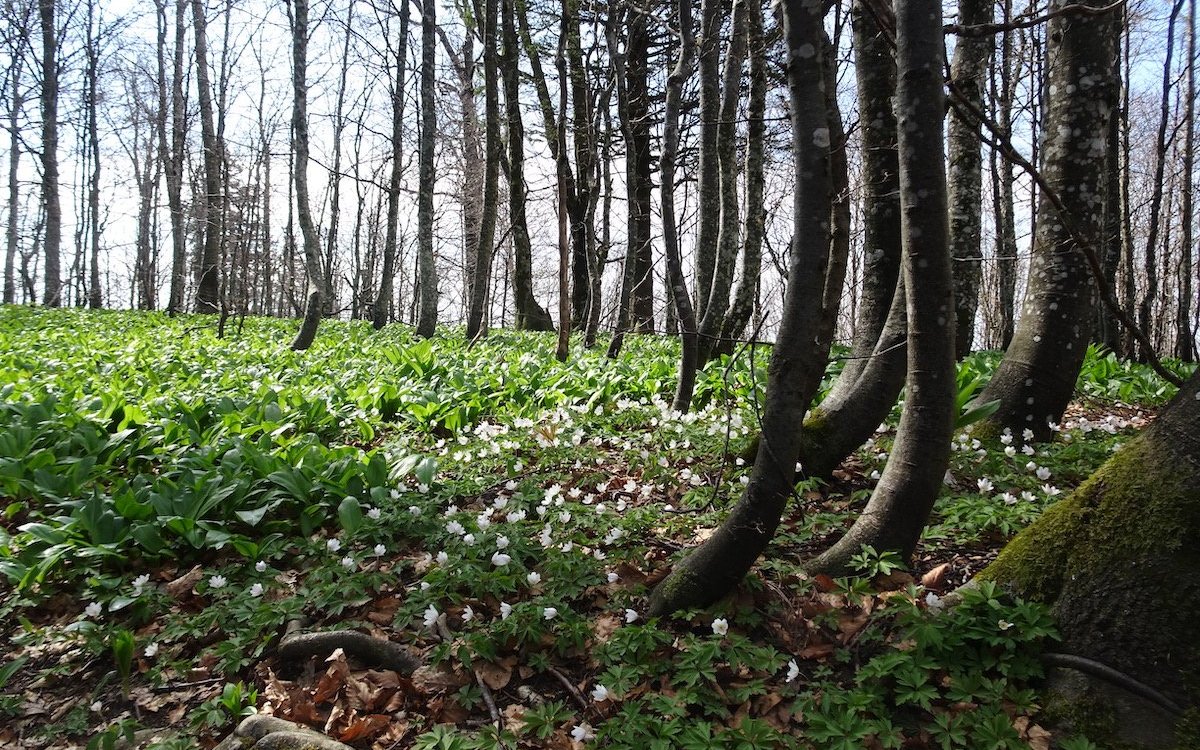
x: 730, y: 227
x: 16, y: 102
x: 681, y: 301
x: 899, y: 507
x: 427, y: 270
x: 1185, y: 339
x: 1036, y: 379
x: 530, y: 315
x: 1115, y: 555
x: 173, y: 161
x: 969, y: 66
x: 91, y: 78
x: 312, y: 243
x: 52, y: 243
x: 208, y: 289
x: 797, y: 359
x: 480, y: 281
x: 382, y: 309
x: 708, y: 173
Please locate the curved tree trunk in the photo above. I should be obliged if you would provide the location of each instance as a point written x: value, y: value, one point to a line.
x: 971, y: 55
x: 312, y: 243
x: 797, y: 359
x: 876, y: 76
x: 1037, y: 377
x: 680, y: 299
x: 899, y: 507
x: 1117, y: 560
x: 427, y: 270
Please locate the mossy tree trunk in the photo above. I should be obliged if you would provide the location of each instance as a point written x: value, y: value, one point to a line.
x: 798, y: 358
x: 1117, y: 559
x: 1036, y: 380
x: 900, y: 504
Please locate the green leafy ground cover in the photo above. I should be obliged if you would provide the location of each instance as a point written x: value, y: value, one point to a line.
x: 173, y: 500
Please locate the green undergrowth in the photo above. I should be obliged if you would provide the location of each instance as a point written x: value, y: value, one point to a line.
x: 171, y: 500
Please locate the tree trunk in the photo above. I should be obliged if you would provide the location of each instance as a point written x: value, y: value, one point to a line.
x: 896, y: 514
x: 52, y: 244
x: 208, y: 290
x: 580, y: 194
x: 427, y: 270
x: 16, y: 102
x: 1036, y: 380
x: 742, y: 308
x: 312, y: 243
x: 971, y: 56
x: 91, y: 77
x: 480, y: 281
x: 1185, y: 340
x: 530, y: 315
x: 173, y: 160
x: 681, y: 301
x: 1115, y: 556
x: 1002, y: 194
x: 381, y: 312
x: 730, y: 228
x: 708, y: 173
x: 797, y: 359
x: 640, y: 246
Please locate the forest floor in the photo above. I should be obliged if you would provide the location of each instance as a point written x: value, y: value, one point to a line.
x: 175, y: 503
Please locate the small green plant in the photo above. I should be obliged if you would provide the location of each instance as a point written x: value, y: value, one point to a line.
x: 123, y: 645
x: 235, y: 702
x: 871, y: 563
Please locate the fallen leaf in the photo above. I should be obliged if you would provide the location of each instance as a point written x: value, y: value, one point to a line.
x: 935, y: 579
x: 364, y: 726
x: 604, y: 627
x: 431, y: 679
x: 824, y: 583
x: 184, y: 583
x: 495, y: 676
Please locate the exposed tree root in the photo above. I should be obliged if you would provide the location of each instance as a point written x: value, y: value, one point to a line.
x: 375, y: 651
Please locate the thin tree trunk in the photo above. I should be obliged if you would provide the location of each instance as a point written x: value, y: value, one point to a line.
x: 564, y: 252
x: 1002, y: 193
x: 530, y: 315
x: 708, y: 172
x: 208, y: 289
x: 480, y: 281
x: 896, y: 514
x: 580, y: 196
x: 638, y: 171
x: 681, y: 301
x: 52, y: 243
x: 971, y: 56
x: 173, y: 158
x: 335, y: 175
x: 427, y: 270
x: 16, y: 102
x: 91, y: 76
x: 797, y: 359
x: 381, y: 312
x: 312, y: 243
x: 1185, y: 341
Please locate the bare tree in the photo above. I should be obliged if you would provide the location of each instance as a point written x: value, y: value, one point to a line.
x: 19, y: 19
x: 208, y: 289
x: 312, y: 246
x: 52, y: 206
x: 427, y: 271
x: 383, y: 300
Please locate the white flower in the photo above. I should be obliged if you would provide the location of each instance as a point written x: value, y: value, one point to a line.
x: 516, y: 515
x: 151, y: 649
x: 96, y: 707
x: 1009, y: 498
x: 468, y: 613
x: 1031, y: 466
x: 502, y: 542
x: 442, y: 558
x: 720, y: 626
x: 1027, y: 434
x: 422, y: 488
x: 1051, y: 490
x: 348, y: 562
x: 217, y: 581
x: 333, y: 545
x: 505, y: 610
x: 499, y: 559
x: 1004, y: 624
x: 534, y: 578
x: 139, y: 583
x: 793, y: 670
x: 549, y: 613
x: 600, y: 693
x: 260, y: 566
x: 414, y: 510
x: 456, y: 528
x: 1027, y: 450
x: 374, y: 514
x: 256, y: 590
x: 1006, y: 438
x: 613, y: 577
x: 1028, y: 496
x: 1010, y: 451
x: 469, y: 540
x: 631, y: 616
x: 431, y: 616
x: 583, y: 732
x: 93, y: 610
x: 380, y: 550
x: 985, y: 485
x: 1043, y: 473
x: 933, y: 601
